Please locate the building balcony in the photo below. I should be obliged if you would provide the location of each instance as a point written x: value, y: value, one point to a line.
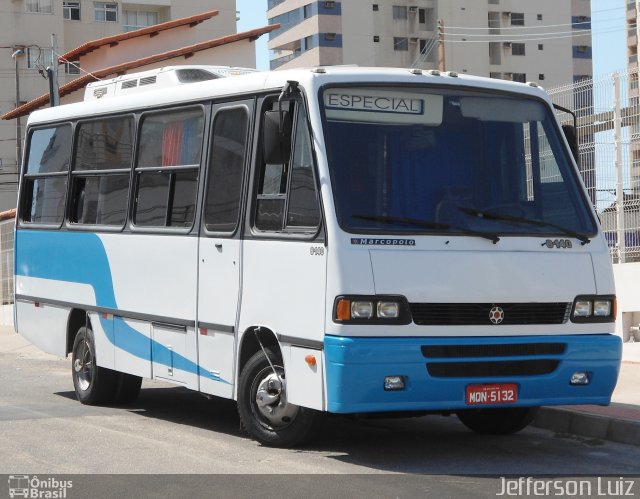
x: 276, y: 63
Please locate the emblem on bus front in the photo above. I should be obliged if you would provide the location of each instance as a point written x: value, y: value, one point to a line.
x: 496, y: 315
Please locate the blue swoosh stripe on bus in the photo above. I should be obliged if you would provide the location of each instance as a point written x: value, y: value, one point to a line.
x: 82, y: 258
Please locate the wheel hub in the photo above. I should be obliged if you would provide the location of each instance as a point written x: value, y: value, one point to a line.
x: 83, y: 365
x: 271, y: 401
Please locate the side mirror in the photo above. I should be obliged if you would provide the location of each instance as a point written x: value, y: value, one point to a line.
x: 276, y: 137
x: 572, y: 138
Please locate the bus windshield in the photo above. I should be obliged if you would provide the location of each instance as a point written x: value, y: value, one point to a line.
x: 426, y: 160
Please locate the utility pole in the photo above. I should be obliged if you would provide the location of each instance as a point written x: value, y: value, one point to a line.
x: 54, y: 72
x: 617, y: 137
x: 440, y: 31
x: 17, y: 53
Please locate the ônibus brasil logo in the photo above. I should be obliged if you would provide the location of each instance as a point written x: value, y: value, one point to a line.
x: 37, y: 488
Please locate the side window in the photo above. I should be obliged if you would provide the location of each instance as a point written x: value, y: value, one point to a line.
x: 100, y: 177
x: 45, y: 177
x: 302, y: 209
x: 287, y: 197
x: 167, y: 168
x: 226, y: 169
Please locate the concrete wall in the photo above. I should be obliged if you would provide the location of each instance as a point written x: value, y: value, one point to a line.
x: 6, y: 315
x: 627, y: 276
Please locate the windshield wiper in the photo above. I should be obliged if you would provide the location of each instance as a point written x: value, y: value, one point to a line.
x: 528, y: 221
x: 427, y: 224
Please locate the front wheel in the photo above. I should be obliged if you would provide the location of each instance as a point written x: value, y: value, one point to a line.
x: 93, y: 384
x: 497, y: 421
x: 264, y: 410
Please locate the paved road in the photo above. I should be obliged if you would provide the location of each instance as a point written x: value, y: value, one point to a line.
x: 172, y: 430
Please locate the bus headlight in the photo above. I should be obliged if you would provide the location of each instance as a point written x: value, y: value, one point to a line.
x: 371, y: 310
x: 361, y: 309
x: 594, y: 309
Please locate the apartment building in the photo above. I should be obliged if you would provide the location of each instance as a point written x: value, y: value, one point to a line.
x: 26, y: 50
x: 547, y: 41
x: 633, y: 11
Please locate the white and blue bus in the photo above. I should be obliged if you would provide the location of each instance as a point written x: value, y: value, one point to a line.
x: 341, y: 240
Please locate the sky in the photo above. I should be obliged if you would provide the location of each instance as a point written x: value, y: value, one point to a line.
x: 608, y: 36
x: 608, y: 24
x: 253, y: 14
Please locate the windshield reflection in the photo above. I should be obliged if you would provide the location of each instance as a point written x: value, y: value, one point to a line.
x: 434, y: 155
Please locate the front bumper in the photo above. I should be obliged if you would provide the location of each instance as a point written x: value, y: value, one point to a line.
x: 356, y: 368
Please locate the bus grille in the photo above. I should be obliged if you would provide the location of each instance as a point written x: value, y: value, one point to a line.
x: 513, y: 350
x: 478, y: 314
x: 492, y: 369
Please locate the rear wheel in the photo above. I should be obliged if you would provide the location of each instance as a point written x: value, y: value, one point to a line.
x: 264, y: 410
x: 93, y: 384
x: 497, y: 421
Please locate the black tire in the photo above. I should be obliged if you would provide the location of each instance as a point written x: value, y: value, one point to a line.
x: 94, y: 385
x: 289, y: 425
x: 127, y: 388
x: 497, y: 421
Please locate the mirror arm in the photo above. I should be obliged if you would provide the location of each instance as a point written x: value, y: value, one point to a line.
x: 290, y: 89
x: 568, y: 111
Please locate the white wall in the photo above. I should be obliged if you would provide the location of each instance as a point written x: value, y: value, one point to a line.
x: 6, y: 315
x: 627, y: 276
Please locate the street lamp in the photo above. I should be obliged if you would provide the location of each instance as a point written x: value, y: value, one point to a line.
x: 19, y: 52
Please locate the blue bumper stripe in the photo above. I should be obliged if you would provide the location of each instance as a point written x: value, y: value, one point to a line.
x: 356, y: 368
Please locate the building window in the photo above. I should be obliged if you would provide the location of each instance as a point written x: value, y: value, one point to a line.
x: 376, y: 38
x: 399, y: 12
x: 40, y: 6
x: 39, y: 57
x: 307, y: 11
x: 105, y: 12
x: 539, y: 17
x: 540, y: 46
x: 521, y: 77
x: 329, y: 5
x: 517, y: 49
x: 72, y: 67
x: 330, y: 36
x: 400, y: 43
x: 422, y: 16
x: 306, y: 43
x: 517, y: 19
x: 541, y: 76
x: 136, y: 19
x: 494, y: 2
x: 71, y: 11
x: 375, y: 7
x: 582, y: 51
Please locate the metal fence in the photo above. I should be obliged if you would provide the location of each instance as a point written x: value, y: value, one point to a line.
x: 6, y: 262
x: 608, y: 118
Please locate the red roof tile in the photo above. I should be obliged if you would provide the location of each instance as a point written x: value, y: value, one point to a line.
x: 85, y: 48
x: 145, y: 61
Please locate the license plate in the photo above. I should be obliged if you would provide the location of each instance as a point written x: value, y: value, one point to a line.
x: 502, y: 393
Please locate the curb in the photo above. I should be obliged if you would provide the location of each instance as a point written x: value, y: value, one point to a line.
x: 621, y: 431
